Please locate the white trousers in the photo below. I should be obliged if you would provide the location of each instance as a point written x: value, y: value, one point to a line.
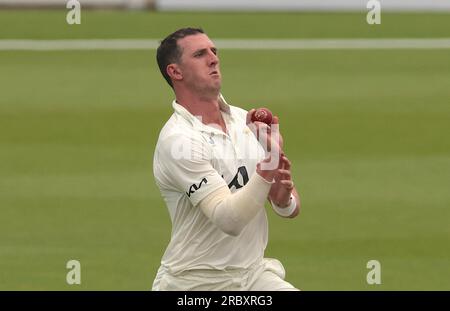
x: 266, y: 275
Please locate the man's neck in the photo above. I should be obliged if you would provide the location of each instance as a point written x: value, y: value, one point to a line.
x: 207, y: 108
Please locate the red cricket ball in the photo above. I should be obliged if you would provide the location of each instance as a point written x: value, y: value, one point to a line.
x: 262, y: 115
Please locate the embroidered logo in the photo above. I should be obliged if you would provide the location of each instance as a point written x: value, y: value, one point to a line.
x: 194, y: 187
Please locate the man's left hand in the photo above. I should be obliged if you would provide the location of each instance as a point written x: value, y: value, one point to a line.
x: 280, y: 192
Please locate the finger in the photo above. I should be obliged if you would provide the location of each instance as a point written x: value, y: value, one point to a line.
x: 275, y: 120
x: 277, y: 177
x: 289, y: 184
x: 262, y: 132
x: 262, y: 129
x: 282, y: 161
x: 275, y: 130
x: 260, y: 124
x: 284, y: 174
x: 257, y: 127
x: 287, y: 163
x: 275, y: 127
x: 249, y: 115
x: 274, y: 136
x: 280, y: 164
x: 268, y: 136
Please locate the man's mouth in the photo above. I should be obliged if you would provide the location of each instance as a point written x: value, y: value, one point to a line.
x: 215, y: 72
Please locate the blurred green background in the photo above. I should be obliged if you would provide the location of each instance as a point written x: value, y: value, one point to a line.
x: 367, y: 132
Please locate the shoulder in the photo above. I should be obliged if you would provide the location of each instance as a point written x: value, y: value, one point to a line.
x: 177, y: 136
x: 238, y: 113
x: 177, y: 127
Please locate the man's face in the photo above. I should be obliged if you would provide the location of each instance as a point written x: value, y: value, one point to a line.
x: 199, y: 63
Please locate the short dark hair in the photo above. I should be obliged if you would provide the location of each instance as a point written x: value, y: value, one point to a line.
x: 169, y: 52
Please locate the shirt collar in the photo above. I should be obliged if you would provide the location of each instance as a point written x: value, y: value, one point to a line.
x: 195, y: 121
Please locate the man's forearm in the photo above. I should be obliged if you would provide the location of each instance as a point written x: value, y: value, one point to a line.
x: 231, y: 212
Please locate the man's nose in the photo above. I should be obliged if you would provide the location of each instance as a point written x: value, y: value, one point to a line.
x: 213, y: 59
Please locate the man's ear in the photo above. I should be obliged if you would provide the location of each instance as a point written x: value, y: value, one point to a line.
x: 174, y: 72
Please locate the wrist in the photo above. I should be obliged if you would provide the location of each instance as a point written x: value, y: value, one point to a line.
x: 287, y: 210
x: 280, y: 204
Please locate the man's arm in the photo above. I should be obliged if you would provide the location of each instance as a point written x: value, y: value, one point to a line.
x: 281, y: 190
x: 232, y: 212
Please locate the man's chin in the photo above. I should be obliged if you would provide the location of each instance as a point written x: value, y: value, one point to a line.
x: 215, y: 88
x: 212, y: 89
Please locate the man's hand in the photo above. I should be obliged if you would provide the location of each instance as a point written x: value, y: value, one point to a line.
x: 271, y: 141
x: 280, y: 192
x: 283, y: 186
x: 259, y: 128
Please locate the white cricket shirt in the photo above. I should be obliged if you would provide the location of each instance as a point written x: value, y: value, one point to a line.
x: 192, y: 160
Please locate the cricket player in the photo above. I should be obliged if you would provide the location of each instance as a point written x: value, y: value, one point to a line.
x: 215, y: 170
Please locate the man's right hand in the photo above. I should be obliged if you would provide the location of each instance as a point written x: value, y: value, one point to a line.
x: 270, y: 139
x: 259, y: 127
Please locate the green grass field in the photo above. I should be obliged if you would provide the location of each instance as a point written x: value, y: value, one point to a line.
x: 367, y: 132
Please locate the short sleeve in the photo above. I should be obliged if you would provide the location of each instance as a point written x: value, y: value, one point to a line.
x: 183, y: 164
